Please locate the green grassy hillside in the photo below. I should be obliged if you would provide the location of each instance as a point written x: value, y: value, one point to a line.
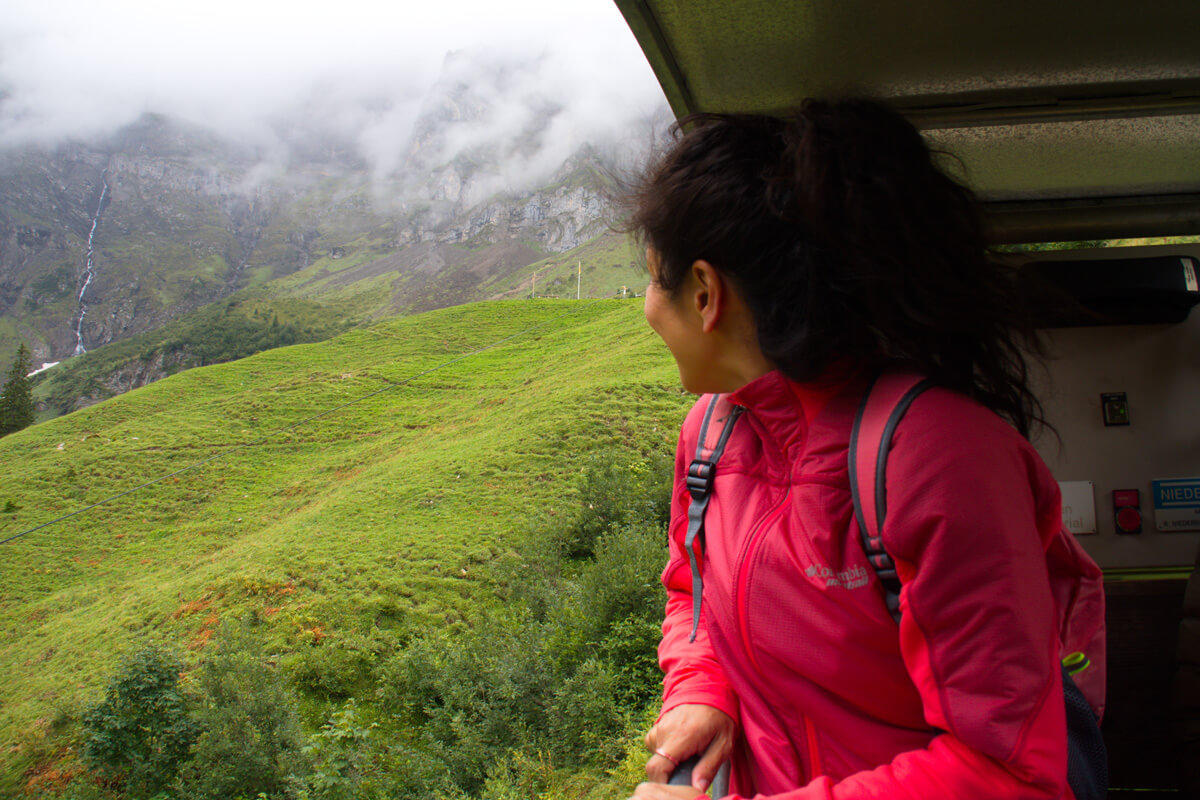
x: 382, y: 515
x: 360, y: 285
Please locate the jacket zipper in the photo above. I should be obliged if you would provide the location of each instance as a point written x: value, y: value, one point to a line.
x: 743, y: 575
x: 816, y: 768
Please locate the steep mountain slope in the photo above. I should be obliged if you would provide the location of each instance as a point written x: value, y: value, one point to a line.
x: 379, y: 513
x: 101, y: 242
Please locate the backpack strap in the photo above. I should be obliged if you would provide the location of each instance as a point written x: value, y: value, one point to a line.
x: 715, y: 430
x: 883, y: 406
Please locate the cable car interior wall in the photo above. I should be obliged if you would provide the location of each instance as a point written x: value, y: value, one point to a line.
x: 1125, y: 401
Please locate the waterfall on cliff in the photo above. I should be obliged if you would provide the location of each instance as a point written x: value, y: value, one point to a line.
x: 90, y: 269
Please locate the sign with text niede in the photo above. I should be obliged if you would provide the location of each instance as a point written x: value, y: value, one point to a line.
x: 1177, y: 504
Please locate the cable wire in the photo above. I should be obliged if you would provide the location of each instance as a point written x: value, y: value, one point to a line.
x: 304, y: 421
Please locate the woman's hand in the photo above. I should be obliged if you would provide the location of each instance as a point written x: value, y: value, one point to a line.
x: 660, y: 791
x: 683, y: 732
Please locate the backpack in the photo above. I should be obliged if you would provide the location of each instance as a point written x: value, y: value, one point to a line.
x: 1076, y: 583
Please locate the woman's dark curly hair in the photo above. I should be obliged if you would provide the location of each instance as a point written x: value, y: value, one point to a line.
x: 846, y: 241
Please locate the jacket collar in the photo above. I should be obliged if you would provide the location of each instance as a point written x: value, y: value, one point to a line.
x: 785, y: 408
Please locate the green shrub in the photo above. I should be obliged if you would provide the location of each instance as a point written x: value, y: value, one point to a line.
x: 478, y: 695
x: 585, y: 722
x: 622, y: 599
x: 519, y: 776
x: 630, y: 646
x: 557, y: 677
x: 619, y: 489
x: 341, y: 766
x: 339, y: 668
x: 250, y: 744
x: 140, y: 733
x: 409, y: 772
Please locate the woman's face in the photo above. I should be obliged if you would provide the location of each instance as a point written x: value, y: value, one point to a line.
x: 678, y: 326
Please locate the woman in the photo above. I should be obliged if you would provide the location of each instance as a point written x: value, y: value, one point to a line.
x: 791, y: 261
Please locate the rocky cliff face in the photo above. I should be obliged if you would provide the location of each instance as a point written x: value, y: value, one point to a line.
x: 556, y: 218
x: 165, y: 235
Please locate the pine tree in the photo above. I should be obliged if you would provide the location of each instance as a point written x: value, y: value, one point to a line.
x: 16, y: 399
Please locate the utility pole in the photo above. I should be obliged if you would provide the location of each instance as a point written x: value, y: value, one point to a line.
x: 579, y: 281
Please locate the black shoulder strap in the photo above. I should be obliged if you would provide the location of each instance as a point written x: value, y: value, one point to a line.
x: 701, y: 473
x: 883, y: 406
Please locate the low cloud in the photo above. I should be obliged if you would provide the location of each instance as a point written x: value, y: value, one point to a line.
x: 533, y: 81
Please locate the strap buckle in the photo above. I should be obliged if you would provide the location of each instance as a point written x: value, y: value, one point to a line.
x: 700, y: 478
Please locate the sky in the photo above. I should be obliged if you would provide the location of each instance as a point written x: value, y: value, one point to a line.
x: 254, y: 69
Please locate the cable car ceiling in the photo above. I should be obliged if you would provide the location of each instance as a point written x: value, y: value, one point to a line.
x: 1072, y: 120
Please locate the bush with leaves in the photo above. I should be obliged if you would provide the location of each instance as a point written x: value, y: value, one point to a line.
x: 342, y: 666
x: 476, y: 695
x: 519, y: 776
x: 250, y: 741
x: 140, y: 733
x: 584, y: 720
x: 622, y: 600
x: 618, y: 489
x: 340, y: 758
x: 407, y: 771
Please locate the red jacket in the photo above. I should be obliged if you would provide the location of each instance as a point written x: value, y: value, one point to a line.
x: 795, y: 641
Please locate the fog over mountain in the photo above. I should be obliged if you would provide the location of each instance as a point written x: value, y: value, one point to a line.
x: 283, y: 77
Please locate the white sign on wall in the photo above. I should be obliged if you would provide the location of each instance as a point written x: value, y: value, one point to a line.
x: 1078, y: 506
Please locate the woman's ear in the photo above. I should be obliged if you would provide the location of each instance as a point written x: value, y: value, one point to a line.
x: 710, y: 295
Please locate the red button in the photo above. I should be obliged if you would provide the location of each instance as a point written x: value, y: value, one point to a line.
x: 1129, y: 520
